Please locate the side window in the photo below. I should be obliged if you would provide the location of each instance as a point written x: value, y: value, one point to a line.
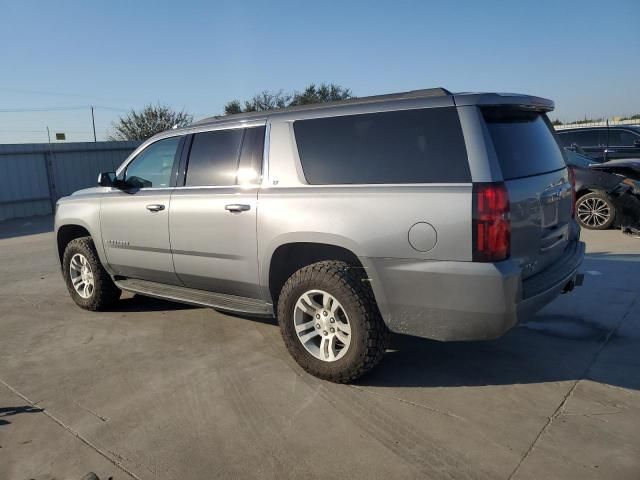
x: 152, y: 167
x: 250, y: 169
x: 622, y: 138
x: 214, y: 156
x: 602, y: 137
x: 407, y: 146
x: 586, y: 138
x: 567, y: 138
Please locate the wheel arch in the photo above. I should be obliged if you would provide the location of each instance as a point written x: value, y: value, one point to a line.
x: 68, y: 232
x: 288, y: 257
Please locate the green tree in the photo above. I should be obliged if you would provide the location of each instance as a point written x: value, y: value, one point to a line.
x: 143, y: 124
x: 556, y: 122
x: 322, y: 94
x: 269, y: 100
x: 232, y: 107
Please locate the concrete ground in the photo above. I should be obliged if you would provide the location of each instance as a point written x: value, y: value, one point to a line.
x: 160, y: 390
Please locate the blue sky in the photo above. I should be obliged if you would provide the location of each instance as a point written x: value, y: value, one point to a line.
x: 199, y: 54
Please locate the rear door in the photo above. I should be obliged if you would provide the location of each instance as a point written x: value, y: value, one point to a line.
x: 212, y: 219
x: 536, y: 178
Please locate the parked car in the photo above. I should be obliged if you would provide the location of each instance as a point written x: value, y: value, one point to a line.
x: 440, y: 215
x: 607, y: 194
x: 603, y: 143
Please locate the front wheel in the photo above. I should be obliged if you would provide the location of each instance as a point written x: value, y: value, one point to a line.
x: 330, y: 322
x: 89, y: 284
x: 595, y: 211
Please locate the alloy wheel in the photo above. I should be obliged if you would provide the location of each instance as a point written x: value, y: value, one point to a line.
x: 322, y: 325
x: 81, y: 275
x: 594, y: 212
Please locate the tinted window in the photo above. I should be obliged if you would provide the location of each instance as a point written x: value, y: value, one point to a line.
x: 213, y: 160
x: 251, y: 156
x: 152, y: 167
x: 409, y: 146
x: 523, y: 141
x: 590, y: 138
x: 567, y: 139
x: 622, y: 138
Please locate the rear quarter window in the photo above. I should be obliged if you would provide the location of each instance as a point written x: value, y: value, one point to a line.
x: 524, y: 142
x: 408, y: 146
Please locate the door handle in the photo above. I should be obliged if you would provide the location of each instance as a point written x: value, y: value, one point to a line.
x: 155, y: 207
x: 237, y: 207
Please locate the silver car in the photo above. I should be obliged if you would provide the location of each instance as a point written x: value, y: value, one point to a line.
x: 440, y: 215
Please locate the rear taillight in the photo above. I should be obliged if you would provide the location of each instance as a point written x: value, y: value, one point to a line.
x: 491, y: 222
x: 572, y: 181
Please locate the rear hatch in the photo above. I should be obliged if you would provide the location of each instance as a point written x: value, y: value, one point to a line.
x: 536, y: 179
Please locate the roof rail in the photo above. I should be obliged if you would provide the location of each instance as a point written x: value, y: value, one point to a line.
x: 427, y: 92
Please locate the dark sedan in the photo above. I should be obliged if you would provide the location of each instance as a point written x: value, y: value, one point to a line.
x: 603, y: 143
x: 607, y: 194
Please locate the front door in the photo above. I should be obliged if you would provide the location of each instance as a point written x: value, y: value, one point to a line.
x: 213, y: 216
x: 135, y: 219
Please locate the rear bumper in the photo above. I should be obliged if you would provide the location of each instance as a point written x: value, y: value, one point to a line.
x: 464, y: 300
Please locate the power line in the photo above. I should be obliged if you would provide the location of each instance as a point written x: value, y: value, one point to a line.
x: 61, y: 94
x: 60, y: 109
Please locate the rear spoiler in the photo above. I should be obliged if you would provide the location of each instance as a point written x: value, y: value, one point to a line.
x: 526, y: 102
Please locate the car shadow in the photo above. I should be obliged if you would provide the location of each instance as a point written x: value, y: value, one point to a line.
x: 563, y: 342
x: 522, y: 356
x: 592, y: 333
x: 10, y: 411
x: 140, y: 303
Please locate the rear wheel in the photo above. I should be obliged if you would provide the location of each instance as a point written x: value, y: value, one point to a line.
x: 89, y: 284
x: 595, y: 211
x: 330, y: 322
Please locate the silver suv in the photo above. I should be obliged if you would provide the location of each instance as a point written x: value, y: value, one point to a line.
x: 446, y: 216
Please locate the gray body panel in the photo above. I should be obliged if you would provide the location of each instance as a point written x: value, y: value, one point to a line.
x: 214, y: 249
x: 136, y: 240
x: 434, y: 291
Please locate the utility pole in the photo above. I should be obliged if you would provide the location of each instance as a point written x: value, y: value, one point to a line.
x: 48, y: 166
x: 93, y: 121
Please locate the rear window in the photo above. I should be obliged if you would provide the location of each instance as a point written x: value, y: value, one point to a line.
x: 523, y: 141
x: 408, y: 146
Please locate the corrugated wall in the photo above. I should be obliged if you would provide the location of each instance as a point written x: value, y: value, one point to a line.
x: 34, y: 176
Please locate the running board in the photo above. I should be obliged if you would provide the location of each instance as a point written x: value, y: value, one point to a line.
x: 192, y: 296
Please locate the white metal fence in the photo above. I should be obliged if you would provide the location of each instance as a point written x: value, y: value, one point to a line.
x: 597, y: 124
x: 34, y: 176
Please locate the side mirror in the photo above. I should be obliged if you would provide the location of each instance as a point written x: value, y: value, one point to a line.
x: 107, y: 179
x: 636, y: 143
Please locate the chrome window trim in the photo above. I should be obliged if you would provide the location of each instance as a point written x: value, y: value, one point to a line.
x: 264, y: 176
x: 244, y: 186
x: 145, y: 189
x: 188, y: 131
x: 370, y: 185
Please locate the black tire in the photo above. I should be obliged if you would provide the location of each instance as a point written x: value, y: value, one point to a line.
x: 369, y: 334
x: 91, y: 476
x: 584, y: 203
x: 105, y: 293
